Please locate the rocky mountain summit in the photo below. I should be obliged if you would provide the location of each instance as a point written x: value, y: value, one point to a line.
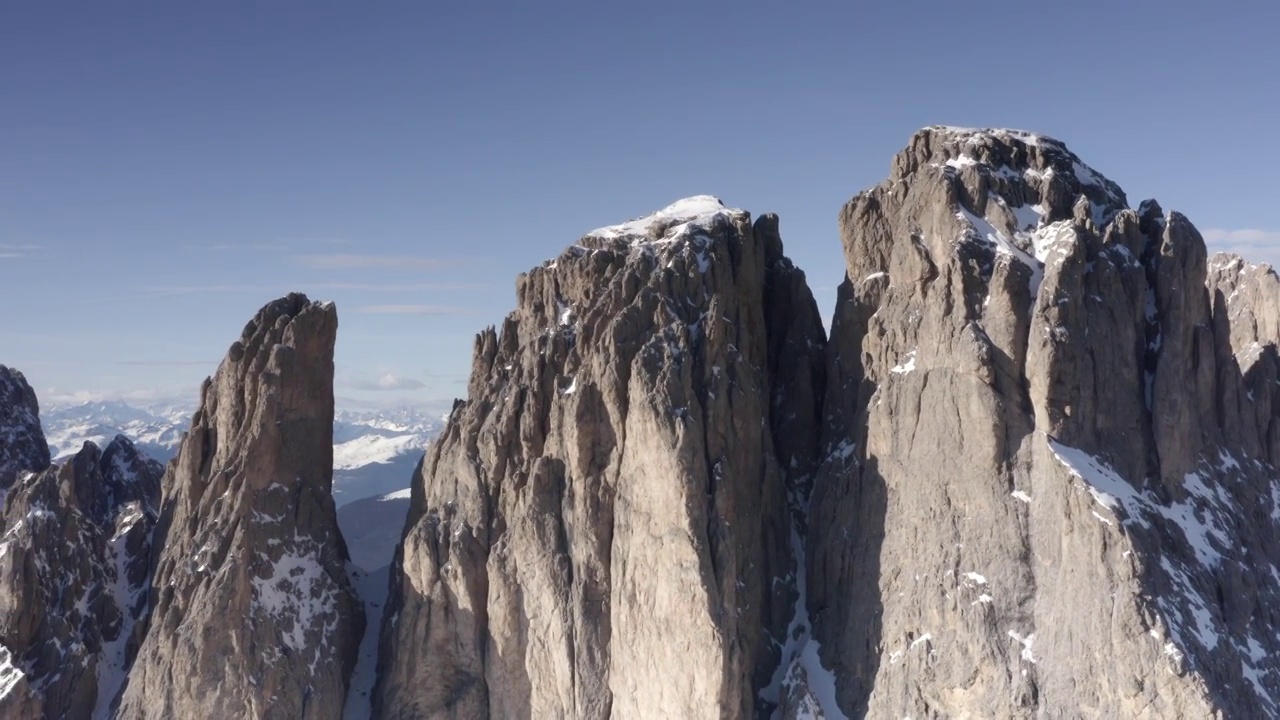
x: 1051, y: 475
x: 602, y: 528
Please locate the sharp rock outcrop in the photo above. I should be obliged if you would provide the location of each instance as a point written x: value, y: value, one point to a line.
x: 22, y: 445
x: 253, y: 612
x: 74, y: 562
x: 604, y: 528
x: 1050, y: 449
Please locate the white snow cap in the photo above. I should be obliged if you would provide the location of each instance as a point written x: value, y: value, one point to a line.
x: 1024, y: 136
x: 680, y: 218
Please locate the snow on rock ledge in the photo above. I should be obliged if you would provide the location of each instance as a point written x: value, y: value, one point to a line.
x: 679, y: 220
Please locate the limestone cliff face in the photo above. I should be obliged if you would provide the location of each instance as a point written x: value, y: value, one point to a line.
x: 1049, y: 482
x: 73, y: 579
x: 603, y: 528
x: 253, y: 612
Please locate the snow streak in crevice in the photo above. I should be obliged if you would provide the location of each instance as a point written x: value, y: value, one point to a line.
x: 801, y: 670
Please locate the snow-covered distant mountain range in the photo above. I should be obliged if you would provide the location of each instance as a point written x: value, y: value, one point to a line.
x: 374, y: 451
x: 154, y: 429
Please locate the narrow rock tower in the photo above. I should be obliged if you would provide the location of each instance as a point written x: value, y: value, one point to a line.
x: 253, y: 614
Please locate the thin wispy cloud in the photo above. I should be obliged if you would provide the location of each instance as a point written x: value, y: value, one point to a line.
x: 390, y: 381
x: 234, y: 247
x: 167, y: 363
x: 57, y: 398
x: 347, y: 261
x: 400, y: 287
x: 1252, y: 244
x: 310, y: 287
x: 333, y: 241
x: 173, y: 290
x: 16, y: 251
x: 408, y: 309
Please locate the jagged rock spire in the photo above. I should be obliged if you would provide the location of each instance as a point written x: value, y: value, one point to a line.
x: 253, y: 612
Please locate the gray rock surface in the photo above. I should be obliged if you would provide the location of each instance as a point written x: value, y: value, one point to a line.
x: 254, y: 614
x: 74, y: 562
x: 603, y: 527
x: 1049, y: 475
x: 22, y: 444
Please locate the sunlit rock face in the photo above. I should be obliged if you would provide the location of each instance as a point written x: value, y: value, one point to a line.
x: 1049, y: 483
x: 604, y: 527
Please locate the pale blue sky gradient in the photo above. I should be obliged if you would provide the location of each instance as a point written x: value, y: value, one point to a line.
x: 167, y: 168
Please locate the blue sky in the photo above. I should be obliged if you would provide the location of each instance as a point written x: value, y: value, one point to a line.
x: 166, y: 168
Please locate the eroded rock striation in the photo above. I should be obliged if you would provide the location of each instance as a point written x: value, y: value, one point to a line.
x: 1050, y: 450
x: 74, y: 562
x: 253, y: 613
x: 603, y: 529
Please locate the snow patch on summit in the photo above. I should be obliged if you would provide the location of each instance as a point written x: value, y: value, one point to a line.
x: 678, y: 220
x: 970, y: 134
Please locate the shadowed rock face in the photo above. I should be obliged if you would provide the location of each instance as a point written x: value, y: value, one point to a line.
x: 74, y: 562
x: 22, y: 444
x: 253, y: 613
x: 1051, y: 449
x: 603, y: 527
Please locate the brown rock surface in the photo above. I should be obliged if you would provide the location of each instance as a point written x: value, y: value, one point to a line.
x: 253, y: 611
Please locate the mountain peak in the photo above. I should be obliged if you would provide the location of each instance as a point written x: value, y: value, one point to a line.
x: 627, y: 448
x: 1019, y: 162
